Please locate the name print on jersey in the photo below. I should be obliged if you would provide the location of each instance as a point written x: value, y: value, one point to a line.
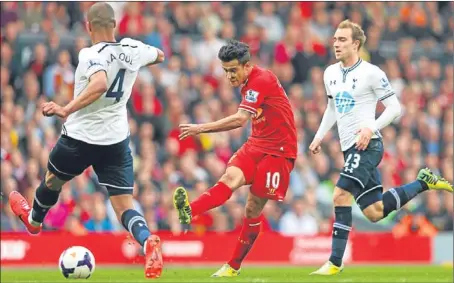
x: 122, y: 57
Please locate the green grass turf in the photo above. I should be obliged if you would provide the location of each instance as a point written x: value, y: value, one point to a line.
x: 249, y: 274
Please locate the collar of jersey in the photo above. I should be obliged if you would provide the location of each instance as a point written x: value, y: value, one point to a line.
x: 108, y: 42
x: 346, y: 70
x: 253, y: 71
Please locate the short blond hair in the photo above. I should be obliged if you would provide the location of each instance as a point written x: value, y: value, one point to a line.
x: 357, y: 31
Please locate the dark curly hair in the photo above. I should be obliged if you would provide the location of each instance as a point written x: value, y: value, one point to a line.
x: 235, y: 50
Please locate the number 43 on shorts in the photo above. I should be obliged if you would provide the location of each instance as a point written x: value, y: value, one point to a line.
x: 349, y: 167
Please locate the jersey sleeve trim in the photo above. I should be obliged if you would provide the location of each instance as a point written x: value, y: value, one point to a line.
x: 386, y: 96
x: 248, y: 109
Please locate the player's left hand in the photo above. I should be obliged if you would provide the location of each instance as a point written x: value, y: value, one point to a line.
x: 51, y: 108
x: 188, y: 130
x: 364, y: 136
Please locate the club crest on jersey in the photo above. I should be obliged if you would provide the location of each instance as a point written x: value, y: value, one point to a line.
x: 251, y: 96
x: 354, y: 83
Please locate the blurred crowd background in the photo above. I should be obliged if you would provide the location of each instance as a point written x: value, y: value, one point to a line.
x: 412, y: 42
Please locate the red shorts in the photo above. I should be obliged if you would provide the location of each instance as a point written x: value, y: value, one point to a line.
x: 268, y: 175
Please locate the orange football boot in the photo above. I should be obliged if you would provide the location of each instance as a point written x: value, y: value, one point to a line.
x: 153, y: 257
x: 22, y: 209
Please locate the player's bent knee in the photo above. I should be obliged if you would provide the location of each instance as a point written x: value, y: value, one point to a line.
x: 53, y: 182
x: 341, y: 197
x: 374, y: 212
x: 233, y: 178
x: 374, y: 217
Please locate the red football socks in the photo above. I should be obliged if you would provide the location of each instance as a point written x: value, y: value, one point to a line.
x: 212, y: 198
x: 248, y: 235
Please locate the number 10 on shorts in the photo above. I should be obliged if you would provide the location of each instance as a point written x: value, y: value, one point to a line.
x: 272, y: 182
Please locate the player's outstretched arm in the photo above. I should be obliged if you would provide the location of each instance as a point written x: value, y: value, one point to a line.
x: 231, y: 122
x: 95, y: 88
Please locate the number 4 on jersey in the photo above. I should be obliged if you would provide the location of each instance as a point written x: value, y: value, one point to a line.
x: 118, y: 85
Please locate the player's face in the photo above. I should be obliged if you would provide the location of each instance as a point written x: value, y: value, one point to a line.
x: 343, y: 44
x: 236, y: 72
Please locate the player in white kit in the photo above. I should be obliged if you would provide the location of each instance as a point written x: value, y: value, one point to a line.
x: 96, y: 132
x: 354, y: 87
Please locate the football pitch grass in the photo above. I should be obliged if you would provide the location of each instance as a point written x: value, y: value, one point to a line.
x: 249, y: 274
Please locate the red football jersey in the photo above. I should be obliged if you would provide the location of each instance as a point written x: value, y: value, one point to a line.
x: 273, y: 125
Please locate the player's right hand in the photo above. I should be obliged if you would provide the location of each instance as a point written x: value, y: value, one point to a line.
x: 187, y: 130
x: 315, y: 146
x: 51, y: 108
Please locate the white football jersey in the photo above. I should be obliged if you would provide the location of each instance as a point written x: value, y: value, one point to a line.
x: 355, y: 92
x: 105, y: 121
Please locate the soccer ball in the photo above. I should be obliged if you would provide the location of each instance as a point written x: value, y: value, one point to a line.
x: 77, y: 263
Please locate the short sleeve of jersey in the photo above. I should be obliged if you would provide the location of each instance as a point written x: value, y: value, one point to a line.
x: 148, y: 53
x: 253, y: 96
x: 91, y: 62
x: 381, y: 85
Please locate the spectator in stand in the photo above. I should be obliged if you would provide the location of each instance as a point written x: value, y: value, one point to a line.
x: 98, y: 222
x: 299, y: 220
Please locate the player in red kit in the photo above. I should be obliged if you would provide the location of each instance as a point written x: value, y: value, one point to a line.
x: 264, y: 161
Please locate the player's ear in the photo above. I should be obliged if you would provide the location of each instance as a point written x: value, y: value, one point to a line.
x: 248, y: 66
x: 356, y: 42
